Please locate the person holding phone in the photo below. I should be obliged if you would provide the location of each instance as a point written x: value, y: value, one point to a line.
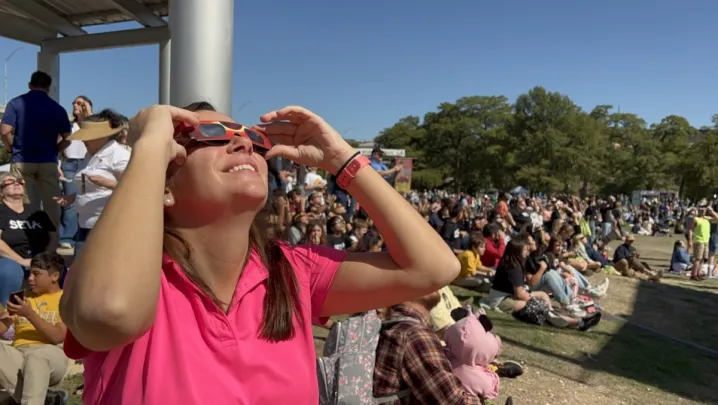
x: 178, y: 290
x: 25, y: 231
x: 34, y: 361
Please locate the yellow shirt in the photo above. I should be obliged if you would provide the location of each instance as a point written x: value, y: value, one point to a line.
x: 48, y: 307
x: 440, y: 315
x: 470, y: 262
x: 702, y: 230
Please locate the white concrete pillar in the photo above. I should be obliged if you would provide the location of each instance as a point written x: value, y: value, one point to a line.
x: 165, y: 48
x: 50, y: 63
x: 203, y: 44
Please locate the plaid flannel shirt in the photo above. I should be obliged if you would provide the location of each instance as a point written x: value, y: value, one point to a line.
x: 410, y: 356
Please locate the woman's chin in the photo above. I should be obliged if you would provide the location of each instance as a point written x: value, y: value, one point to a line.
x: 251, y: 196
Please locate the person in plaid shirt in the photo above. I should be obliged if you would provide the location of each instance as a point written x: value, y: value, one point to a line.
x: 410, y: 356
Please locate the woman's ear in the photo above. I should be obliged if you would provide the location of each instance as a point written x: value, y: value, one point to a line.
x: 169, y: 199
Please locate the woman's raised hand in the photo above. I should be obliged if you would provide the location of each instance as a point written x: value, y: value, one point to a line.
x: 304, y: 137
x: 155, y: 125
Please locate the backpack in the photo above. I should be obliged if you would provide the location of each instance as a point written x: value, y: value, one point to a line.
x: 345, y: 373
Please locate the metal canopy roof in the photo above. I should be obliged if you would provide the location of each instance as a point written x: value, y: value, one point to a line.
x: 34, y: 21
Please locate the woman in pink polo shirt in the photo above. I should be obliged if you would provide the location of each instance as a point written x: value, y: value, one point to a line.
x: 178, y: 297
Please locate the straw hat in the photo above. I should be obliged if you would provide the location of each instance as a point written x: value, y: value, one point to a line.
x: 90, y: 131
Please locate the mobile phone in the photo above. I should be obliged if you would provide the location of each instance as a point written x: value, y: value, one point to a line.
x: 19, y: 294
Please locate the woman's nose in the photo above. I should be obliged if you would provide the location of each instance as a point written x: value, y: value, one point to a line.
x: 240, y: 144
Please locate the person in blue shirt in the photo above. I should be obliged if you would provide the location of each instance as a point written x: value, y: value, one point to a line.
x: 378, y: 164
x: 34, y: 129
x: 680, y: 259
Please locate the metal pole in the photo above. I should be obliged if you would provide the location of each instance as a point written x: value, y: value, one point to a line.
x: 202, y: 49
x: 7, y: 59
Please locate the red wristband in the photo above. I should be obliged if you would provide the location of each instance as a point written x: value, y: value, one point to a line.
x: 345, y: 177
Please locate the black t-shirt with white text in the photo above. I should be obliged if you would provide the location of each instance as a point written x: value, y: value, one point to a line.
x: 521, y: 217
x: 451, y: 233
x: 28, y: 232
x: 341, y: 242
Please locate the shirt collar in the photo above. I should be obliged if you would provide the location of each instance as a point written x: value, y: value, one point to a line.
x: 253, y: 274
x: 105, y: 149
x: 404, y: 311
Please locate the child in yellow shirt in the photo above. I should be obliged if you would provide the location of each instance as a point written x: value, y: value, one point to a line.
x: 473, y: 274
x: 38, y: 331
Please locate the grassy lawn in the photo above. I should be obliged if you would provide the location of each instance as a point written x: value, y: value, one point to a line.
x: 618, y: 362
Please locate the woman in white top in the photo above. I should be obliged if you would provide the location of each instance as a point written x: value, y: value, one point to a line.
x: 100, y: 170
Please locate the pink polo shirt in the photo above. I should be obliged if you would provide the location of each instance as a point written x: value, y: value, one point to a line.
x: 196, y: 354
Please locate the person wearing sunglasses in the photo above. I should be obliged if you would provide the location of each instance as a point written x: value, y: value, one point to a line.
x: 25, y: 231
x: 179, y: 297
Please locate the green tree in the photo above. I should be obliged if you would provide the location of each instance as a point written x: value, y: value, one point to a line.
x: 547, y: 143
x: 560, y: 146
x: 458, y: 134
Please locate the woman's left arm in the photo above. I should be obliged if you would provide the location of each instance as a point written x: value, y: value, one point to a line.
x: 419, y: 261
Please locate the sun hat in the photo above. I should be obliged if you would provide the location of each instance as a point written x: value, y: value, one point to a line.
x: 90, y: 131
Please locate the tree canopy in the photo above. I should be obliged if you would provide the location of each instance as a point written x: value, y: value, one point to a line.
x: 547, y: 143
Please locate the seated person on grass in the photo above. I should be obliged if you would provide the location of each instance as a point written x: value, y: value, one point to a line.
x: 495, y: 245
x: 473, y: 274
x: 625, y: 260
x: 35, y: 360
x: 510, y: 294
x: 680, y: 259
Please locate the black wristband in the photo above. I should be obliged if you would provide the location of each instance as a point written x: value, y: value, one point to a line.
x: 344, y: 166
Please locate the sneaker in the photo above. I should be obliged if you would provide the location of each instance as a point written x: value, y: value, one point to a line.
x: 594, y: 292
x: 65, y: 245
x: 603, y: 287
x: 582, y: 302
x: 510, y: 369
x: 590, y: 322
x: 556, y: 320
x: 55, y: 397
x: 574, y: 311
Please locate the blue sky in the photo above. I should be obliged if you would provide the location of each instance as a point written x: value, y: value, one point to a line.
x: 363, y: 65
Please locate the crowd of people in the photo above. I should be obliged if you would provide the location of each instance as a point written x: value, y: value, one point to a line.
x: 258, y: 231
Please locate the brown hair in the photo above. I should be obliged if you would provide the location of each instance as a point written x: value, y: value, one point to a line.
x: 282, y: 298
x: 476, y: 240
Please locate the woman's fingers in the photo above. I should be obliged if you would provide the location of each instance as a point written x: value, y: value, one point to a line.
x: 180, y: 114
x: 180, y: 154
x: 285, y: 151
x: 292, y: 113
x: 281, y: 139
x: 278, y: 128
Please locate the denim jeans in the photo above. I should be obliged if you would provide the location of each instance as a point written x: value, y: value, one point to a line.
x: 552, y: 282
x: 82, y: 234
x: 68, y: 218
x: 583, y: 282
x: 592, y: 227
x: 11, y: 277
x: 606, y: 230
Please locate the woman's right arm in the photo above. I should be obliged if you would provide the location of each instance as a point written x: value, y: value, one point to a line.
x: 7, y: 252
x: 111, y: 295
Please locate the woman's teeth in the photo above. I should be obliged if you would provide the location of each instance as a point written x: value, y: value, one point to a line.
x: 242, y: 167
